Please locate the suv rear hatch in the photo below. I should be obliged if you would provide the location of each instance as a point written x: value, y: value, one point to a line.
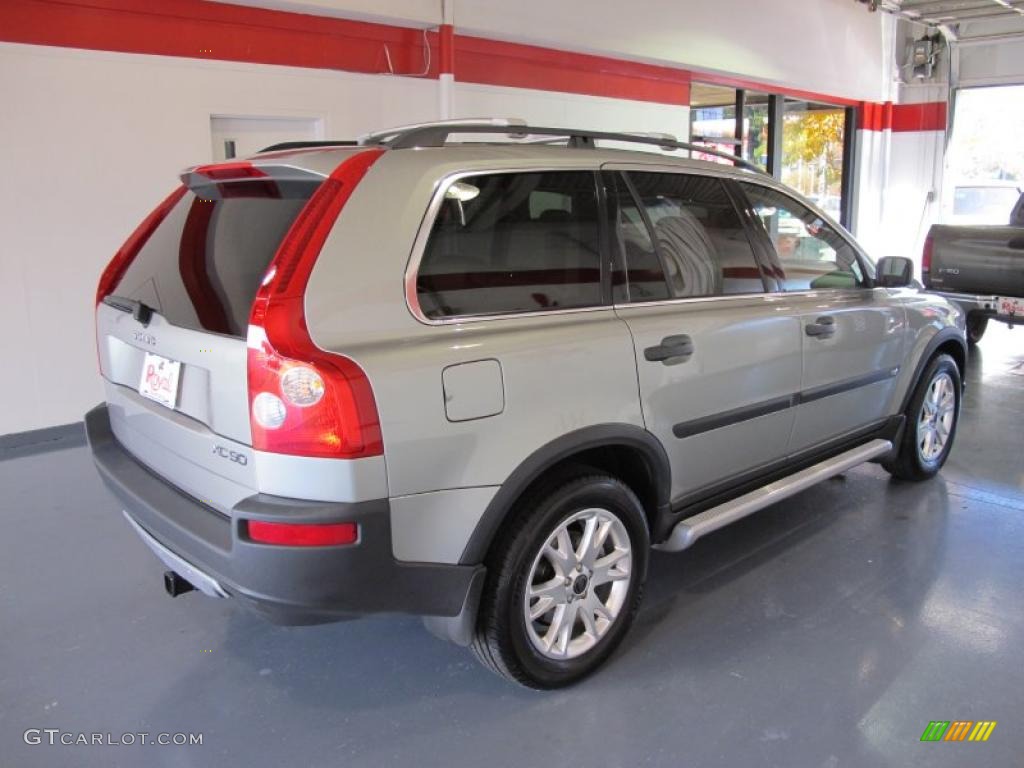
x: 182, y: 306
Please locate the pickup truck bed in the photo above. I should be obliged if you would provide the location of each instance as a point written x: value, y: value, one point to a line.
x: 979, y: 267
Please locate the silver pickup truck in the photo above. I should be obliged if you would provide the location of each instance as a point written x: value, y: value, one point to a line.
x: 981, y: 268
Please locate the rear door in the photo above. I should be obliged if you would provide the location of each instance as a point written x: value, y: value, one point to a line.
x: 718, y: 358
x: 198, y: 272
x: 852, y: 334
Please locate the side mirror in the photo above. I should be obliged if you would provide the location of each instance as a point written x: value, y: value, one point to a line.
x: 894, y: 272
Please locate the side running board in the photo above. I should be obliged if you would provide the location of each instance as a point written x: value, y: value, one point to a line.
x: 688, y: 531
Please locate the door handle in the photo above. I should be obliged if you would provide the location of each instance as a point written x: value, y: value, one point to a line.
x: 672, y: 350
x: 822, y: 328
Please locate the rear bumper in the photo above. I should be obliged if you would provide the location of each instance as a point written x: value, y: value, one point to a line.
x: 289, y: 585
x: 980, y: 304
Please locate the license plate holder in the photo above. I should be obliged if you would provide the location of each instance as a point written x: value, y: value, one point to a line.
x: 1007, y: 306
x: 159, y: 379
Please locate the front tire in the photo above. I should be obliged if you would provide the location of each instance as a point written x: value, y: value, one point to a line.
x: 932, y: 417
x: 565, y: 580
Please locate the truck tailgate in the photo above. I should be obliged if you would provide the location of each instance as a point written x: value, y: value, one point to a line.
x: 977, y: 260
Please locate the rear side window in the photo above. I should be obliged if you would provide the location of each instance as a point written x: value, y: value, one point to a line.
x: 699, y: 238
x: 813, y: 255
x: 644, y: 278
x: 513, y: 242
x: 203, y: 265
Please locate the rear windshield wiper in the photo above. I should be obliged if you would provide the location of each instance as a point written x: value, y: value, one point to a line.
x: 141, y: 312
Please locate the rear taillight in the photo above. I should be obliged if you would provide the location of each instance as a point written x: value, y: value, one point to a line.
x: 126, y: 253
x: 303, y: 534
x: 230, y: 171
x: 238, y: 179
x: 302, y: 400
x: 926, y: 258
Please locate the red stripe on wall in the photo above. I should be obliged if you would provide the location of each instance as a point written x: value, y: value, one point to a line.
x: 205, y: 30
x: 446, y: 48
x: 211, y: 30
x: 929, y: 116
x: 492, y: 62
x: 872, y: 116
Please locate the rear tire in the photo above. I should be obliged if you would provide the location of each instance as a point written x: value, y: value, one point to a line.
x: 976, y: 325
x: 554, y: 609
x: 932, y: 417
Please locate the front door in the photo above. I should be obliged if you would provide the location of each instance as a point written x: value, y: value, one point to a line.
x: 718, y: 360
x: 852, y: 334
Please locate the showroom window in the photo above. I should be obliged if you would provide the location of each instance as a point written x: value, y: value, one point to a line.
x: 513, y: 242
x: 713, y: 111
x: 702, y: 247
x: 808, y: 145
x: 813, y: 142
x: 812, y: 254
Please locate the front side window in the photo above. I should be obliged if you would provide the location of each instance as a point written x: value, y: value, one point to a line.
x: 696, y: 231
x: 812, y: 254
x: 513, y: 242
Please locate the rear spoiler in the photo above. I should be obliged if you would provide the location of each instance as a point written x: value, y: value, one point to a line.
x: 243, y: 178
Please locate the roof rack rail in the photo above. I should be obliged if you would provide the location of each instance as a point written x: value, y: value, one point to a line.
x: 378, y: 137
x: 284, y: 145
x: 437, y: 134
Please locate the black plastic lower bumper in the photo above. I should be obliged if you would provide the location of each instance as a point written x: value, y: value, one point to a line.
x: 289, y: 585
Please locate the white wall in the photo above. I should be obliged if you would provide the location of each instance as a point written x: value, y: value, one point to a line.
x: 91, y: 141
x: 899, y: 173
x: 570, y: 110
x: 828, y: 46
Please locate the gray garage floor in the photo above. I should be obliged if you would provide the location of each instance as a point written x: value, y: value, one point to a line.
x: 826, y: 631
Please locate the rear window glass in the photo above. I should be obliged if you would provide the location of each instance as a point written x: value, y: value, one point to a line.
x: 513, y: 242
x: 203, y: 265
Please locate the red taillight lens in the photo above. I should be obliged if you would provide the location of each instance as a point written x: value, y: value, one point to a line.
x: 230, y: 171
x: 303, y: 534
x: 302, y: 400
x: 126, y: 253
x: 257, y: 183
x: 926, y: 255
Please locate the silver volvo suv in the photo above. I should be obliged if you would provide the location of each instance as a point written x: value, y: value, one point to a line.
x: 476, y: 370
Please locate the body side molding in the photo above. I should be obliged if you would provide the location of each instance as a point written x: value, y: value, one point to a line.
x: 766, y: 407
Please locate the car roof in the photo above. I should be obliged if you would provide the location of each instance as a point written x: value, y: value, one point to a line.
x: 323, y: 159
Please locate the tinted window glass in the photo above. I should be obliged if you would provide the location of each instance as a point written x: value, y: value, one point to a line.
x: 644, y: 275
x: 513, y: 242
x: 812, y: 254
x: 202, y: 266
x: 699, y: 235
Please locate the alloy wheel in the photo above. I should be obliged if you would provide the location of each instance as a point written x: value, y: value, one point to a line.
x: 578, y: 583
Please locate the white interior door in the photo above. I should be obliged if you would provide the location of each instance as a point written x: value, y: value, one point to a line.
x: 240, y: 136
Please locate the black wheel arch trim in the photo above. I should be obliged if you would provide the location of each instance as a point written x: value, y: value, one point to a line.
x: 944, y: 336
x: 558, y: 450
